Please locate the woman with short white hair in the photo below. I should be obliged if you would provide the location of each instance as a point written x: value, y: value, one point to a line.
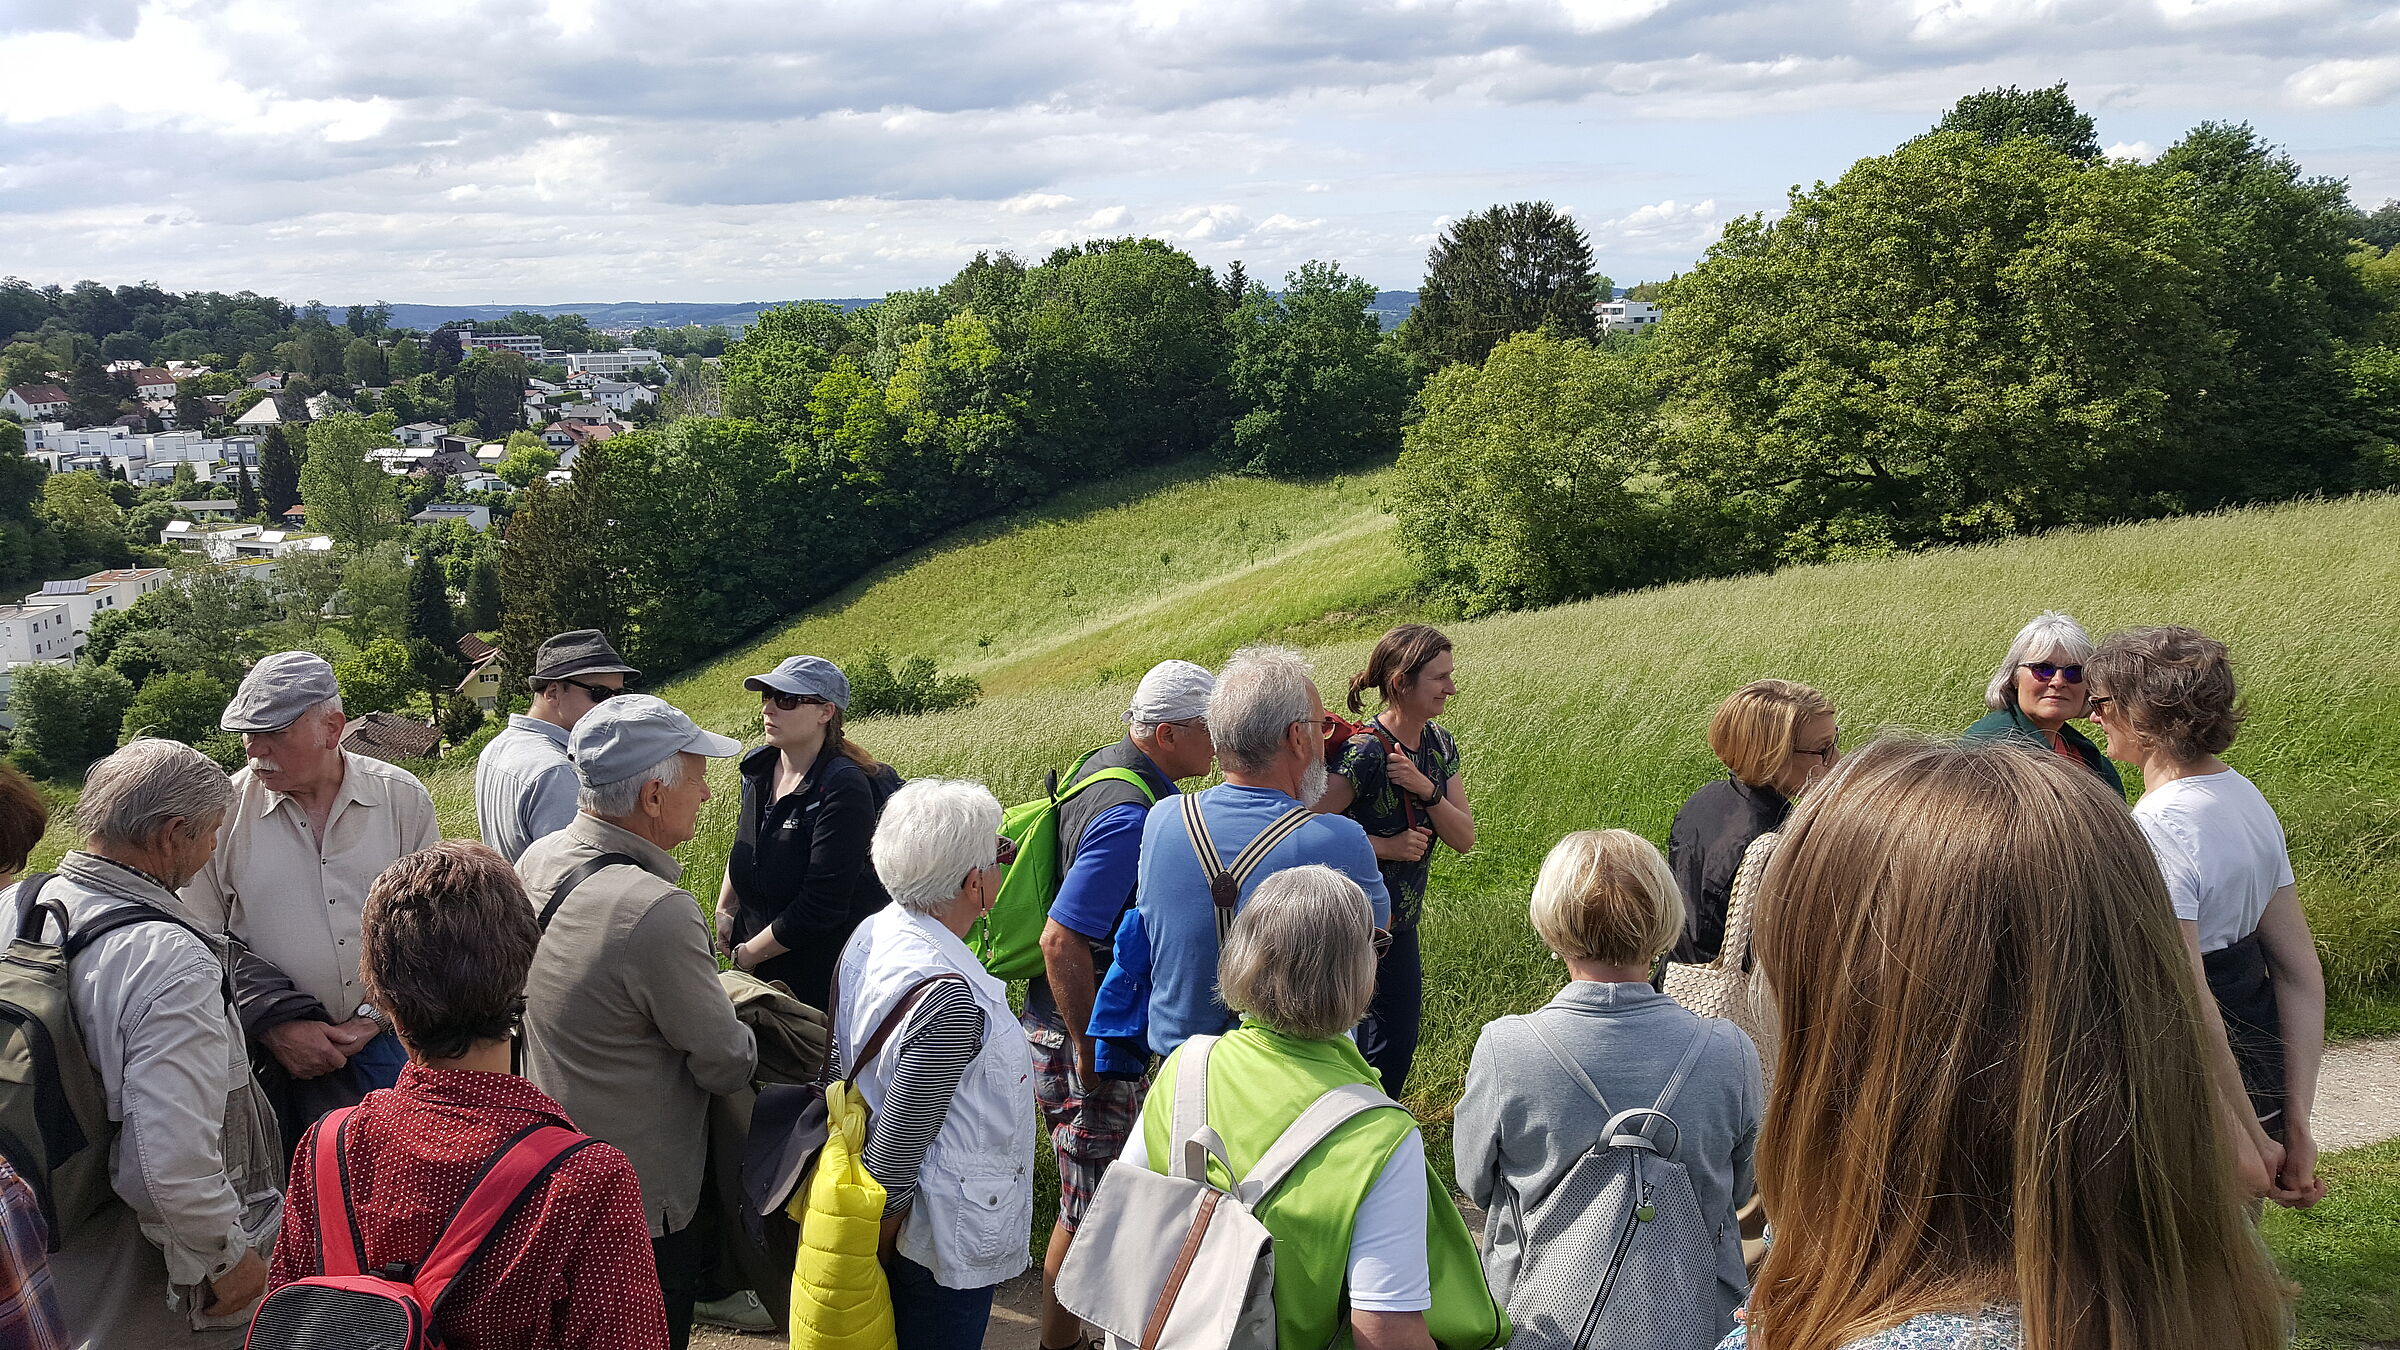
x: 2039, y: 689
x: 1362, y: 1236
x: 934, y: 1049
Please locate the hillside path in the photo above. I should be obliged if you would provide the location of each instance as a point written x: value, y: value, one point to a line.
x: 2358, y: 1103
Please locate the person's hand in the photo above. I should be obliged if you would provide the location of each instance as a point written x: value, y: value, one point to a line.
x: 232, y: 1293
x: 887, y: 1240
x: 725, y: 931
x: 352, y: 1036
x: 1086, y: 1060
x: 1406, y: 846
x: 2256, y: 1160
x: 2297, y: 1185
x: 1406, y: 776
x: 307, y: 1049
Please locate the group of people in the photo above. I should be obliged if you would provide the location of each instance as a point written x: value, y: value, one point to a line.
x: 2033, y: 1053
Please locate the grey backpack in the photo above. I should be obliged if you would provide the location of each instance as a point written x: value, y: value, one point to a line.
x: 1172, y: 1261
x: 1617, y: 1255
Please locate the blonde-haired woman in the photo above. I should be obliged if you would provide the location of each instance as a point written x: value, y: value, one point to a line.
x: 1607, y: 906
x: 1991, y: 1095
x: 1774, y: 737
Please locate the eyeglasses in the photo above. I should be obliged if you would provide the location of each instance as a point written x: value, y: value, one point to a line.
x: 600, y: 693
x: 2100, y: 702
x: 1326, y: 726
x: 1820, y: 755
x: 2048, y: 670
x: 788, y: 702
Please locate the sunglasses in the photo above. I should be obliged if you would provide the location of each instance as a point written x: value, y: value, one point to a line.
x: 788, y: 702
x: 2100, y: 703
x: 600, y: 693
x: 2047, y: 670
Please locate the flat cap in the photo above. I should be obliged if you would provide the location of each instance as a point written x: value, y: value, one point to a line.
x: 277, y: 690
x: 586, y: 651
x: 812, y: 676
x: 628, y: 734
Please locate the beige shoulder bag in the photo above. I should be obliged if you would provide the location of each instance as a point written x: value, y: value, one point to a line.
x: 1722, y: 988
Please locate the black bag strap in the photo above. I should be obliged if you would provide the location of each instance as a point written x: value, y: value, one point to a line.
x: 576, y: 878
x: 29, y: 894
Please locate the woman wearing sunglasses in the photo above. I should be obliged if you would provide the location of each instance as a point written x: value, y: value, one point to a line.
x: 799, y: 881
x: 2040, y: 689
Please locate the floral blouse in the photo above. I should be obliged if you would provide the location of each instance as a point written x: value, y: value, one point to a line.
x: 1995, y: 1328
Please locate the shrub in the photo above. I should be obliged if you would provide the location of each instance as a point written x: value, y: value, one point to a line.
x: 878, y: 690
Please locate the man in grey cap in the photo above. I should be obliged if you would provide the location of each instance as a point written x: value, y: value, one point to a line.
x: 626, y: 1025
x: 524, y: 786
x: 311, y: 826
x: 1100, y: 842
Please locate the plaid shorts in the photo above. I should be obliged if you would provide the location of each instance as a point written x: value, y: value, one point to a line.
x: 1088, y: 1128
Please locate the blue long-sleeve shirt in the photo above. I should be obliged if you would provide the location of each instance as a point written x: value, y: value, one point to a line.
x: 1180, y: 920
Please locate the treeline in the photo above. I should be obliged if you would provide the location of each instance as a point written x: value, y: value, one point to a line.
x: 1991, y: 330
x: 848, y: 438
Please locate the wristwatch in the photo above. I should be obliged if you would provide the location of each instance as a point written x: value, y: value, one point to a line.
x: 370, y: 1012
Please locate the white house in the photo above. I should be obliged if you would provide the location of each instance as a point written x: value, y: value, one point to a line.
x: 1626, y: 316
x: 620, y: 395
x: 623, y: 360
x: 478, y: 518
x: 482, y: 482
x: 31, y: 401
x: 527, y: 345
x: 36, y: 631
x: 150, y: 383
x: 262, y: 414
x: 421, y: 433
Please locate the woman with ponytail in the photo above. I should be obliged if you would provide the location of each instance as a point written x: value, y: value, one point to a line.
x: 1399, y: 778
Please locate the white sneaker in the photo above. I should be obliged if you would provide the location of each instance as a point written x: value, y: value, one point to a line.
x: 740, y: 1311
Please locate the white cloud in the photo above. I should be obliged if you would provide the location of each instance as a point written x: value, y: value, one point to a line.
x: 714, y: 149
x: 2140, y: 152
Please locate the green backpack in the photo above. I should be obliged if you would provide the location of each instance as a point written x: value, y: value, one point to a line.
x: 1009, y: 939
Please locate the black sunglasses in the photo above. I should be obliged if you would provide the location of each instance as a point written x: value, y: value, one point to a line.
x: 788, y: 702
x: 2049, y: 670
x: 600, y: 693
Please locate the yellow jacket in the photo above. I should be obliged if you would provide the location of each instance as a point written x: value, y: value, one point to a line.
x: 840, y: 1298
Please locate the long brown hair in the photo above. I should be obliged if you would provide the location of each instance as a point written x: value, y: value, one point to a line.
x: 1399, y: 657
x: 1991, y: 1086
x: 851, y: 750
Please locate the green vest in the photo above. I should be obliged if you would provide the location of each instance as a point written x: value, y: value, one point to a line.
x: 1268, y: 1079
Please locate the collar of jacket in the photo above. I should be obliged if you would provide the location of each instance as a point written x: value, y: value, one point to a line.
x: 601, y: 837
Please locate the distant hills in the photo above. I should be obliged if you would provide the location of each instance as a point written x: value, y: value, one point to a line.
x: 1389, y: 308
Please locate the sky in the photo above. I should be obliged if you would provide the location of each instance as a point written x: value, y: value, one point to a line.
x: 476, y: 151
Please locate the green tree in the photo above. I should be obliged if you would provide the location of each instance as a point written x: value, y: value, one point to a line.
x: 192, y: 408
x: 404, y: 361
x: 1534, y: 479
x: 1322, y: 388
x: 245, y: 494
x: 2279, y: 420
x: 377, y: 678
x: 2046, y: 115
x: 769, y: 372
x: 278, y: 473
x: 26, y: 363
x: 179, y: 705
x: 89, y: 523
x: 363, y: 361
x: 556, y: 572
x: 498, y: 383
x: 144, y: 522
x: 1953, y: 342
x: 67, y: 716
x: 483, y: 596
x: 93, y: 399
x: 524, y: 464
x: 348, y: 495
x: 1518, y: 268
x: 432, y: 626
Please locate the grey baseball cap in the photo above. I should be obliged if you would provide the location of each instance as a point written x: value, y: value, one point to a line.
x: 812, y: 675
x: 277, y: 690
x: 628, y: 734
x: 586, y: 651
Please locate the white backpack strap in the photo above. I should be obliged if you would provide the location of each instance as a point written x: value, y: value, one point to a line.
x: 1691, y: 1056
x: 1188, y: 1110
x: 1300, y: 1138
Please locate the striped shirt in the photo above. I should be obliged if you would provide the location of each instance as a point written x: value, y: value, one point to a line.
x: 936, y: 1042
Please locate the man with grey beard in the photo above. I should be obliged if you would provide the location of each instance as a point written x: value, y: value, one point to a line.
x: 1269, y: 726
x: 311, y: 826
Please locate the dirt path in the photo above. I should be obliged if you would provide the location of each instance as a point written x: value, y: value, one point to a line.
x: 2358, y: 1103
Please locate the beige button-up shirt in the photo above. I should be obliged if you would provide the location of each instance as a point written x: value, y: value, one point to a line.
x: 296, y: 903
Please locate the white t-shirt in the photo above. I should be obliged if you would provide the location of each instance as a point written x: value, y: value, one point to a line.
x: 1388, y: 1267
x: 2221, y: 849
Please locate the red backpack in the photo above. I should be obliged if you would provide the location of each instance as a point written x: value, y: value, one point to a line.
x: 1341, y: 731
x: 397, y: 1309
